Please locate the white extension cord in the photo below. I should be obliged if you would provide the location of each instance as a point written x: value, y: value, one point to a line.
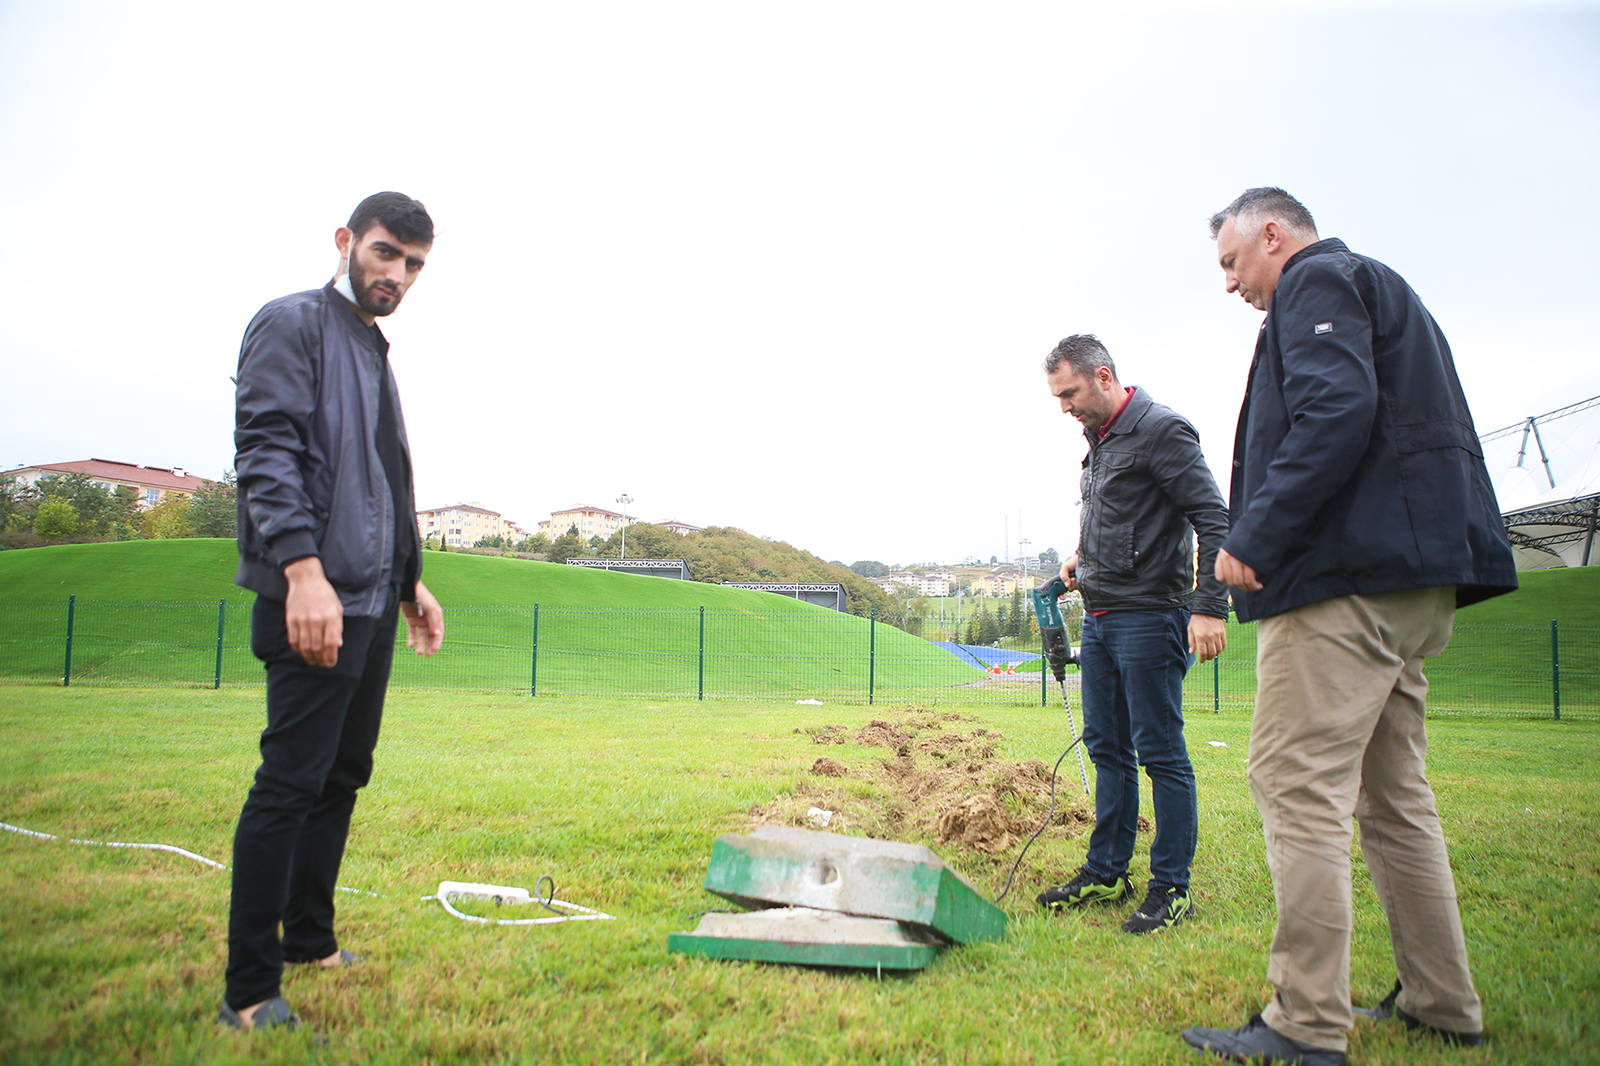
x: 501, y: 894
x: 448, y: 890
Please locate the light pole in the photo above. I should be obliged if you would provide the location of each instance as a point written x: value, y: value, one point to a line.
x: 623, y: 502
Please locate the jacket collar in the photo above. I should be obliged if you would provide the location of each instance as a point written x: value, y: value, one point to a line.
x: 1128, y: 420
x: 1324, y: 247
x: 371, y: 336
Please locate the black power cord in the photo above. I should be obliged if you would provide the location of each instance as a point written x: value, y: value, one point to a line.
x: 1043, y: 825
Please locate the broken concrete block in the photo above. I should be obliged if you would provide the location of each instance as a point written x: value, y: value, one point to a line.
x: 781, y: 867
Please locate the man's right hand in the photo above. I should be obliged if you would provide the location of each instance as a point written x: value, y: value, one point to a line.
x: 1069, y: 569
x: 312, y: 613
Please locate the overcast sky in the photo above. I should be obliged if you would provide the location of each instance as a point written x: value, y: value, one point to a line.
x: 791, y: 268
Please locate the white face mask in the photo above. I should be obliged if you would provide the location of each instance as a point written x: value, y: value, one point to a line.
x: 342, y: 286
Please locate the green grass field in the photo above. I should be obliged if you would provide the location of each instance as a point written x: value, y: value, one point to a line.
x: 117, y: 956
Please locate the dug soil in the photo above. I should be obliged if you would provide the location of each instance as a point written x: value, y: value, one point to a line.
x: 931, y: 778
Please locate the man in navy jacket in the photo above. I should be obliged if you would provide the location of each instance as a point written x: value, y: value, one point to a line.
x: 1361, y: 517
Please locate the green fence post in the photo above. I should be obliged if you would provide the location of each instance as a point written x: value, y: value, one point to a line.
x: 222, y: 619
x: 66, y: 671
x: 1555, y: 667
x: 702, y: 694
x: 533, y: 676
x: 1044, y: 693
x: 1216, y: 685
x: 872, y: 656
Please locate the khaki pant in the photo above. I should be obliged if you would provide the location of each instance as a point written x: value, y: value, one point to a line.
x: 1338, y: 731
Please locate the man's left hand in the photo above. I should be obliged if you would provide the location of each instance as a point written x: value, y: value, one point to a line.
x: 1231, y: 571
x: 424, y: 621
x: 1207, y: 637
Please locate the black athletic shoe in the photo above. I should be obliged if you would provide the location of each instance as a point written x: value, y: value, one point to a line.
x: 1389, y: 1007
x: 1162, y: 907
x: 1086, y: 888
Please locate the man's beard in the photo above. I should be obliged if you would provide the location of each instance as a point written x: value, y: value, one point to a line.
x: 374, y: 301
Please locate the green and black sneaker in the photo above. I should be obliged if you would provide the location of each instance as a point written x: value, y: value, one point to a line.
x: 1163, y: 906
x: 1086, y: 888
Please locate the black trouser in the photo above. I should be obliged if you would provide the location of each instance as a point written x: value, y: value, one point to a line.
x: 322, y: 724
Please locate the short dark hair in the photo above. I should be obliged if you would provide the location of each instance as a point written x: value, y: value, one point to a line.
x: 396, y: 212
x: 1256, y: 207
x: 1083, y: 352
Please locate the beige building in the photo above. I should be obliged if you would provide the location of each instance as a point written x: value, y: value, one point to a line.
x: 462, y: 525
x: 152, y: 483
x: 591, y: 522
x: 1002, y: 584
x: 599, y: 522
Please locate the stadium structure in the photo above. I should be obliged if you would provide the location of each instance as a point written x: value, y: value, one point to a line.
x: 1546, y: 472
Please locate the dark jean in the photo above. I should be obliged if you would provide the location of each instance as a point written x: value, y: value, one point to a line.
x: 1132, y: 665
x: 322, y: 726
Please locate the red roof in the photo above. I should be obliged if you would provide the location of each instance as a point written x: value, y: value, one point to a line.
x: 474, y: 508
x: 155, y: 477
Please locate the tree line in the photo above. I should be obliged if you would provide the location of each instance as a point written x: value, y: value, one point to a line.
x: 723, y: 553
x: 72, y: 508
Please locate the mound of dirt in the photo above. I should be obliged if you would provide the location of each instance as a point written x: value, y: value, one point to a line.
x: 827, y: 767
x: 882, y: 735
x: 981, y: 823
x: 828, y: 734
x: 939, y: 786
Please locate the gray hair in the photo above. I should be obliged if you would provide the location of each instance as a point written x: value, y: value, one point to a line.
x: 1083, y: 352
x: 1256, y: 207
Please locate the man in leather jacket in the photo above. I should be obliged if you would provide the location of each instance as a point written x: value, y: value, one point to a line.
x: 1362, y: 517
x: 328, y: 542
x: 1147, y: 492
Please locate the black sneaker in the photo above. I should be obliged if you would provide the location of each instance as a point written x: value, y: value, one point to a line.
x: 1162, y: 907
x: 1086, y: 888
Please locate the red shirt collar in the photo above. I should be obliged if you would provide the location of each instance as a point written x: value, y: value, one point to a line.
x: 1100, y: 434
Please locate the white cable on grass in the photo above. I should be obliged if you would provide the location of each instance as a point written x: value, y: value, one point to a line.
x: 151, y: 847
x: 114, y: 844
x: 586, y: 915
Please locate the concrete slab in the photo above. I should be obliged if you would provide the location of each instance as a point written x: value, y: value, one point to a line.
x: 777, y: 866
x: 808, y: 937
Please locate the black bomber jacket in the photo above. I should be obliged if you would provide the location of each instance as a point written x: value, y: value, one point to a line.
x: 311, y: 481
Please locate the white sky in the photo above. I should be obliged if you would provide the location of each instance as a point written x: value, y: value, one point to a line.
x: 791, y: 268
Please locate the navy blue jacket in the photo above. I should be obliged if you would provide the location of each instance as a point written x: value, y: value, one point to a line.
x: 1356, y: 467
x: 1146, y: 491
x: 311, y: 481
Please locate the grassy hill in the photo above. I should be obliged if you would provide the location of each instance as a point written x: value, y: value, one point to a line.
x: 1570, y: 595
x: 597, y: 631
x: 147, y: 613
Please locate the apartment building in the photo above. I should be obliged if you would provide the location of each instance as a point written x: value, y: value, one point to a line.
x: 152, y: 483
x: 1001, y: 584
x: 591, y: 522
x: 462, y: 525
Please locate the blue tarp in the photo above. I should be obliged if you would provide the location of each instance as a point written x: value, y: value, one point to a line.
x: 981, y: 658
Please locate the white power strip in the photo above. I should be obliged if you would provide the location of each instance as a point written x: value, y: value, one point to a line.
x: 468, y: 890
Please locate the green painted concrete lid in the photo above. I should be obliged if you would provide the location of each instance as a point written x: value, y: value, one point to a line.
x: 808, y: 937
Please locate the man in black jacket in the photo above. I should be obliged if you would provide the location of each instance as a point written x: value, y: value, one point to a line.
x: 1362, y: 517
x: 1146, y: 493
x: 328, y: 542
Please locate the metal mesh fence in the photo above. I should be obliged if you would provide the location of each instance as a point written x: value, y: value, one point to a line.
x: 1520, y: 670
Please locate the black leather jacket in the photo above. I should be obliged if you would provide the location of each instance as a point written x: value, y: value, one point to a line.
x: 1146, y: 492
x: 310, y: 478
